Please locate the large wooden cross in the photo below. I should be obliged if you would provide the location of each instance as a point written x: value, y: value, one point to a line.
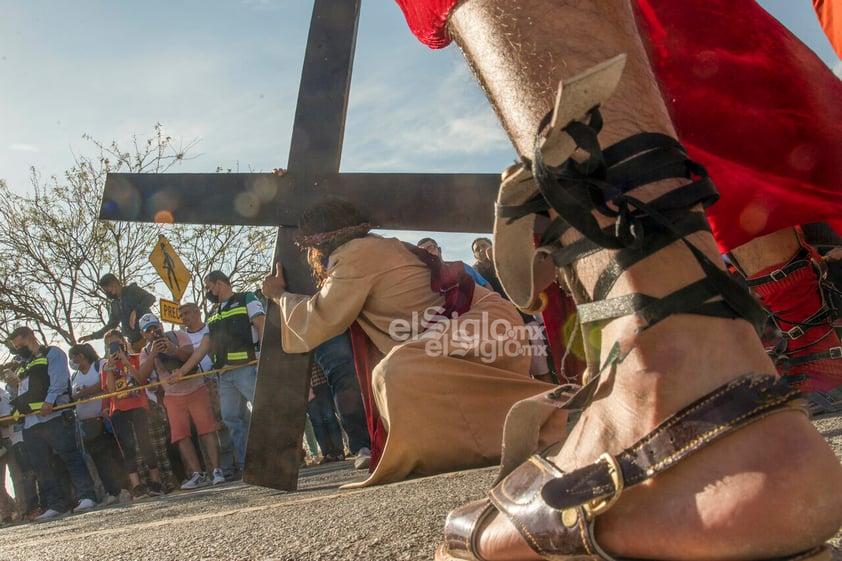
x: 411, y: 201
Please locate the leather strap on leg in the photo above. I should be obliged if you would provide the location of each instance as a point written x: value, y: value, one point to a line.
x: 732, y: 406
x: 602, y: 183
x: 555, y: 511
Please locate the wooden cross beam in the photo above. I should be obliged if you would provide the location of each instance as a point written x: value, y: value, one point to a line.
x: 412, y: 201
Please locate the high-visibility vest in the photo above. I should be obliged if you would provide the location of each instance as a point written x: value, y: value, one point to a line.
x: 34, y: 384
x: 230, y: 332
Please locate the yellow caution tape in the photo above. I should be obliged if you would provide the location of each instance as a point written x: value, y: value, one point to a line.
x: 18, y: 415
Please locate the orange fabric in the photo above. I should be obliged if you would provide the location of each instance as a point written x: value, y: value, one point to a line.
x: 830, y: 16
x: 181, y: 408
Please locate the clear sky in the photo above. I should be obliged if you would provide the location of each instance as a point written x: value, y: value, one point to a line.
x: 227, y: 73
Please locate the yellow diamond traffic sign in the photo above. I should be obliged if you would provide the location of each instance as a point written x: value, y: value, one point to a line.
x: 169, y: 265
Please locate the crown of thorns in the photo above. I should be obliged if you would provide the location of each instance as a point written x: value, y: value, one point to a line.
x: 323, y: 238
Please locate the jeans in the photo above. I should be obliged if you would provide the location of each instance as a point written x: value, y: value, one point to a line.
x: 336, y: 358
x: 132, y: 430
x: 323, y: 418
x: 105, y: 453
x: 236, y: 391
x: 227, y: 455
x: 23, y: 478
x: 59, y: 436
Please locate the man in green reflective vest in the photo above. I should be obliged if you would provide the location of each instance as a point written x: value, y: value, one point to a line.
x: 44, y: 384
x: 235, y: 329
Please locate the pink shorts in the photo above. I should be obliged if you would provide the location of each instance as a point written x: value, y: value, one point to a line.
x: 196, y: 406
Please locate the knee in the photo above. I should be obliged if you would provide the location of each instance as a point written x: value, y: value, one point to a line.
x: 391, y: 370
x: 228, y: 414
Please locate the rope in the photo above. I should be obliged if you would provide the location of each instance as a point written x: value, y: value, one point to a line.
x: 18, y: 415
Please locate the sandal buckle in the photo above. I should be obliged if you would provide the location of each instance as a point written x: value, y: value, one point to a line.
x: 599, y: 506
x: 567, y: 390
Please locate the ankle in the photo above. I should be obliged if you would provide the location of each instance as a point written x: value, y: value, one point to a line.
x: 783, y: 467
x: 666, y: 367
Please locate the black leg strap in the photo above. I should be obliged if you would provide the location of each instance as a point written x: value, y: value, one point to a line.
x: 603, y: 182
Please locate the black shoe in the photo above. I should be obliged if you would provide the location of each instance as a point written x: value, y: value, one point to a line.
x: 139, y: 491
x: 154, y: 489
x: 328, y: 458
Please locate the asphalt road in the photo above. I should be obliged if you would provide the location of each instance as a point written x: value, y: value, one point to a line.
x: 235, y: 521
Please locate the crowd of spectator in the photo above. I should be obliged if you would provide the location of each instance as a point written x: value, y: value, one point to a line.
x: 81, y: 431
x: 161, y: 425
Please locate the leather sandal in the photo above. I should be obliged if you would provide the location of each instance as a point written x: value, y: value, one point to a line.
x: 555, y: 512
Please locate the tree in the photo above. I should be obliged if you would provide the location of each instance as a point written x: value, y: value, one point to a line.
x: 243, y: 252
x: 54, y: 249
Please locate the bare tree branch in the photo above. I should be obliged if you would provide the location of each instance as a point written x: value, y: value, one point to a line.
x: 53, y: 249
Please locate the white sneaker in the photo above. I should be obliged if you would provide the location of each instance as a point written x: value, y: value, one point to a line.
x: 108, y: 500
x: 363, y: 459
x: 49, y: 514
x: 196, y: 481
x: 84, y: 504
x: 218, y: 476
x: 125, y: 496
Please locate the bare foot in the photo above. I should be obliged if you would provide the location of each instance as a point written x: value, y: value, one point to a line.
x: 768, y: 490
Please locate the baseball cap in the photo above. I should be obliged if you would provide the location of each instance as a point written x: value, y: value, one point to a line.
x: 147, y: 321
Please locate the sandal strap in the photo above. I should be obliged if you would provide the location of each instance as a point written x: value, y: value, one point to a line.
x: 555, y: 512
x: 721, y: 412
x: 575, y: 189
x: 603, y: 183
x: 687, y: 300
x: 823, y: 317
x: 821, y: 403
x: 461, y: 530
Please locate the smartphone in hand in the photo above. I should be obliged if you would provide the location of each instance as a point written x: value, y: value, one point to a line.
x: 114, y: 349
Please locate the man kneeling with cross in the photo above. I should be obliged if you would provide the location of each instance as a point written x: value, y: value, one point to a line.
x: 455, y: 355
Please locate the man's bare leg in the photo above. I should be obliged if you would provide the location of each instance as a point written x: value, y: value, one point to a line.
x: 768, y: 250
x: 769, y: 489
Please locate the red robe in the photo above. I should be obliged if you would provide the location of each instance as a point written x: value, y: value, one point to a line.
x: 749, y: 100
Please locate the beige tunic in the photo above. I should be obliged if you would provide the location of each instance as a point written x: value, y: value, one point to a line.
x: 444, y: 387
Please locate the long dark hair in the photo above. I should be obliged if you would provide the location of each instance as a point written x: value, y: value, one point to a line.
x: 84, y: 349
x: 324, y: 227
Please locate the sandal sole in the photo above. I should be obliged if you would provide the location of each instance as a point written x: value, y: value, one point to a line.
x: 822, y: 554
